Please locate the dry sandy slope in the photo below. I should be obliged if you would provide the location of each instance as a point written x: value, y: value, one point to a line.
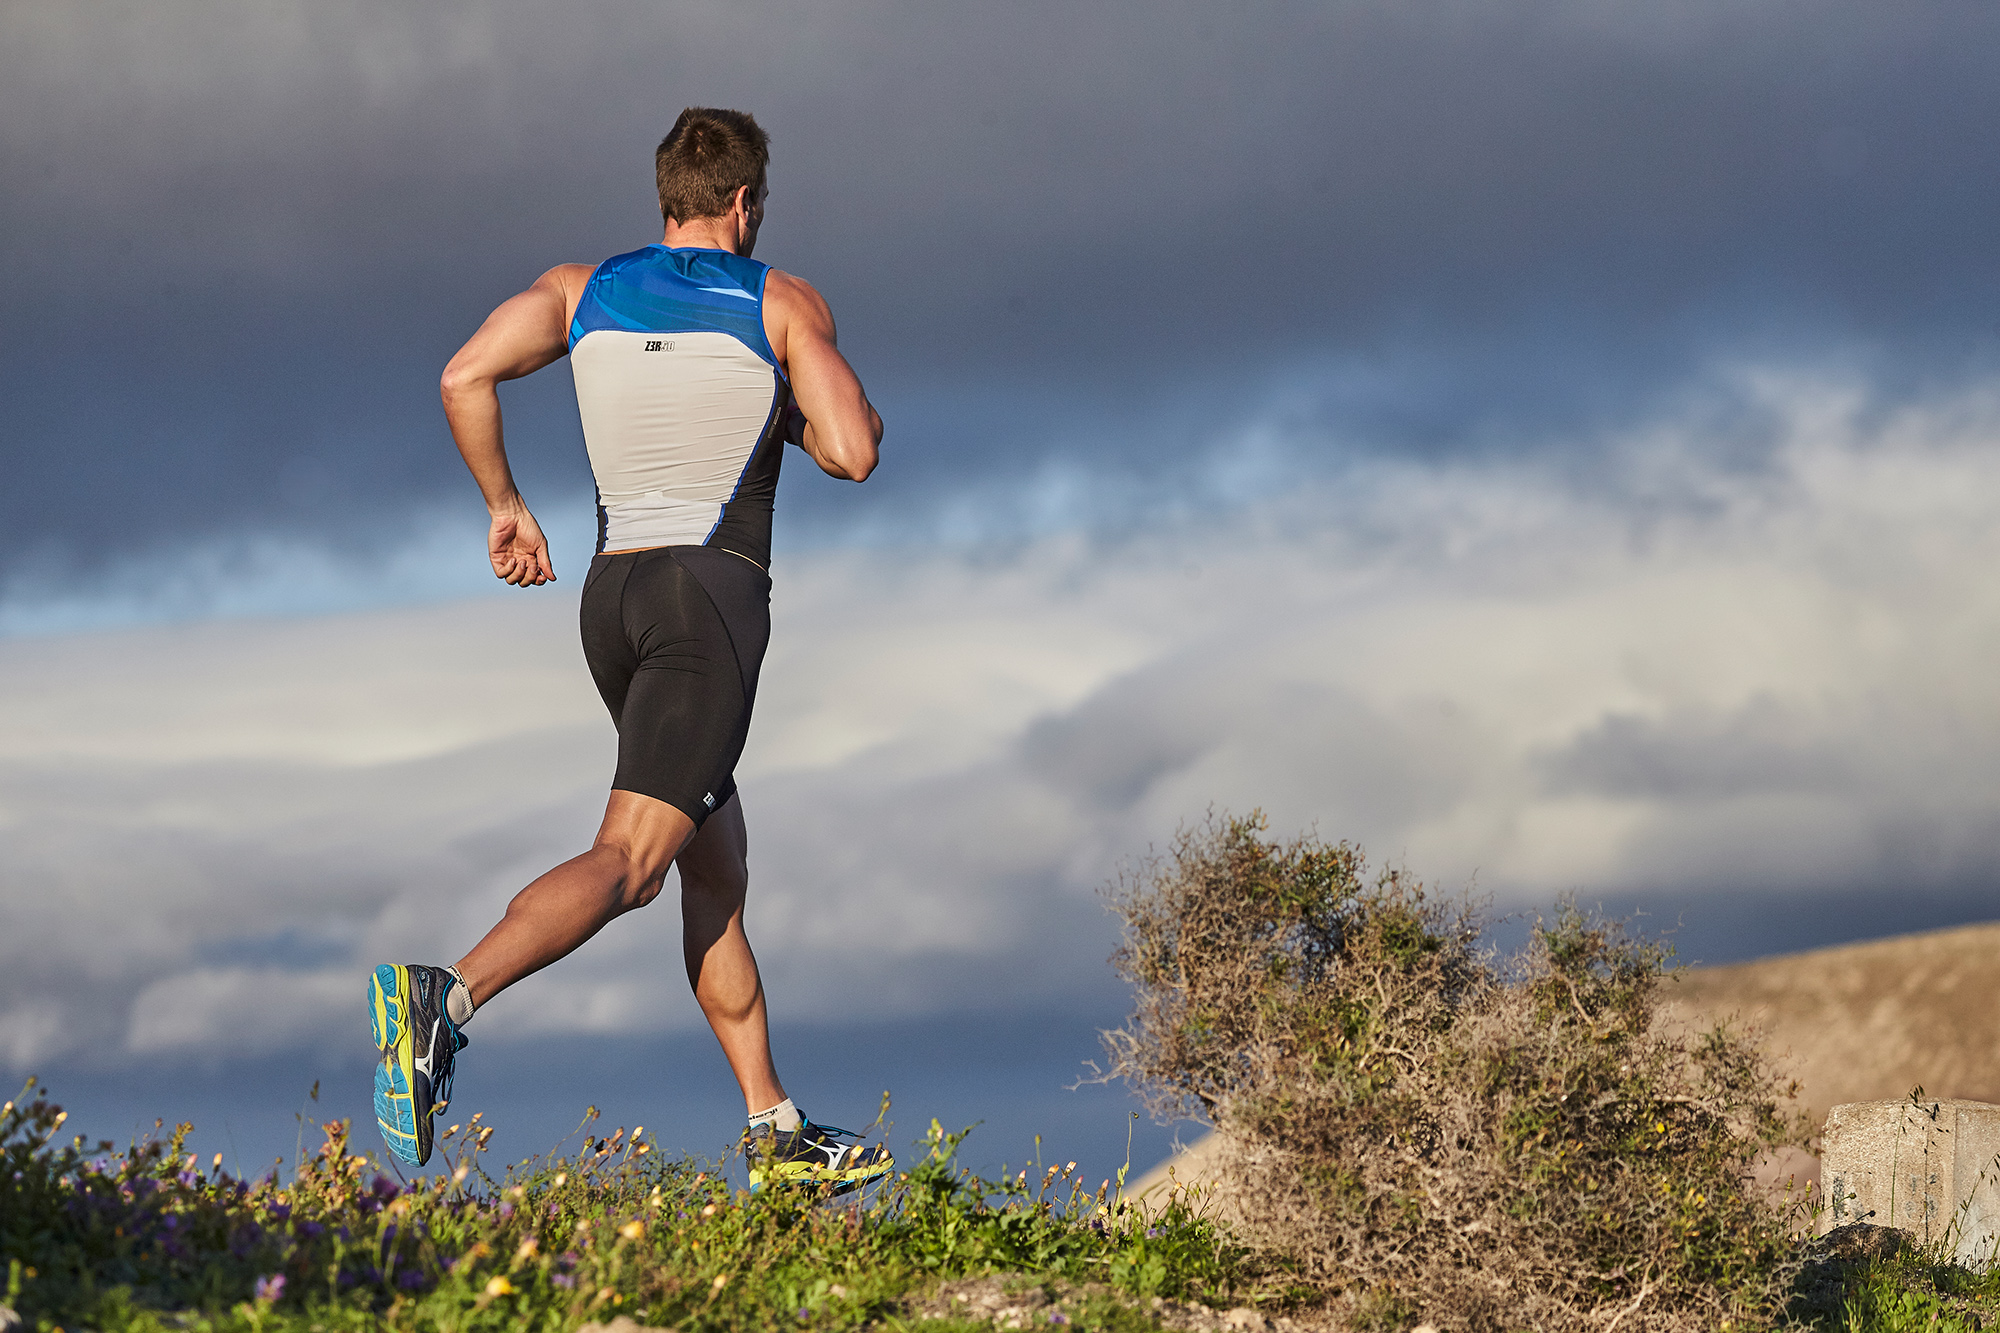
x: 1860, y: 1022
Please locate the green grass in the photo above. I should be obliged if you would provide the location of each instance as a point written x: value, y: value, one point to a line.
x: 148, y: 1239
x: 1911, y: 1292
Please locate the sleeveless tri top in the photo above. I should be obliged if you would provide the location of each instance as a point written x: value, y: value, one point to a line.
x: 682, y: 402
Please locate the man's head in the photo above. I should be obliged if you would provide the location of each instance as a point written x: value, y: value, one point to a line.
x: 707, y: 160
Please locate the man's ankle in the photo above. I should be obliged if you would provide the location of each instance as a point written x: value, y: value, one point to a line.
x: 458, y: 1006
x: 782, y: 1118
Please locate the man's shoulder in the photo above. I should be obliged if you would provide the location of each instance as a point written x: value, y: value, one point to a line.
x: 791, y: 291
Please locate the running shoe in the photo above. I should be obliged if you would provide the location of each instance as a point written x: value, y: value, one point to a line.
x: 419, y: 1045
x: 811, y: 1154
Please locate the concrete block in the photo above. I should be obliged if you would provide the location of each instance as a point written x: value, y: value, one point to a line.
x: 1928, y: 1168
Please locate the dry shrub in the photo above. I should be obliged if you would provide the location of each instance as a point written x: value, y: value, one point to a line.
x: 1416, y: 1131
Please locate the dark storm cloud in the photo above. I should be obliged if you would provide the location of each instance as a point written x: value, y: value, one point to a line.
x: 245, y: 238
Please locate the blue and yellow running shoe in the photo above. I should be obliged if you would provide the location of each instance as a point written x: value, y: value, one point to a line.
x: 419, y: 1045
x: 810, y: 1155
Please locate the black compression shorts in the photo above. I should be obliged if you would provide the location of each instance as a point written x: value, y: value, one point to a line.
x: 675, y: 637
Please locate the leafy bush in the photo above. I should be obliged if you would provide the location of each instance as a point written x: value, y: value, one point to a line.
x: 1416, y: 1131
x: 116, y: 1240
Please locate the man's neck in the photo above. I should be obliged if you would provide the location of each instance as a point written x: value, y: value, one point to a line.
x: 703, y: 234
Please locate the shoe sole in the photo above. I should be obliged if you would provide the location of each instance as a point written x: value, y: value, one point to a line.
x: 395, y: 1077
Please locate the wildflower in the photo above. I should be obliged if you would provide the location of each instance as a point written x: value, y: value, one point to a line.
x: 506, y: 1211
x: 410, y: 1279
x: 633, y: 1230
x: 1058, y: 1317
x: 721, y: 1281
x: 499, y: 1286
x: 271, y: 1288
x: 564, y: 1280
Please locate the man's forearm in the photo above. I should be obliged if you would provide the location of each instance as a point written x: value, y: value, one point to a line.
x: 472, y: 409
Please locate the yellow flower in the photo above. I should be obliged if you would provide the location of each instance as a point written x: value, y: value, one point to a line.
x: 499, y: 1286
x: 633, y: 1230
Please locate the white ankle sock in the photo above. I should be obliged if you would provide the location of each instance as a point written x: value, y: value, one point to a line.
x: 458, y: 999
x: 784, y: 1117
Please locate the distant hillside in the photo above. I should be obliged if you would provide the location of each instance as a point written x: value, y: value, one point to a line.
x: 1868, y: 1021
x: 1861, y: 1022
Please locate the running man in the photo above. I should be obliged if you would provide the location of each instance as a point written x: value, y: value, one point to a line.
x: 694, y: 365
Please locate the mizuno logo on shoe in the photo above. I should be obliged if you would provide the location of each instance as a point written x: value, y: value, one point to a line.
x: 422, y: 1063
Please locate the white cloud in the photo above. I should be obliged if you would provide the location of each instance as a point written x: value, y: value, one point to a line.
x: 1776, y: 678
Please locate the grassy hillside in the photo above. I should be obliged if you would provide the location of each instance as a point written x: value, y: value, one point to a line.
x: 147, y: 1239
x: 1416, y: 1136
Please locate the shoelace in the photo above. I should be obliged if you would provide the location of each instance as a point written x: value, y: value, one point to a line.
x: 805, y: 1124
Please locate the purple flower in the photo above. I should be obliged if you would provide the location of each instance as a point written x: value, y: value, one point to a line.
x: 280, y: 1211
x: 188, y: 1178
x: 385, y: 1188
x: 410, y: 1279
x: 506, y: 1210
x: 1058, y: 1317
x: 310, y: 1229
x: 1152, y: 1231
x: 564, y: 1280
x: 271, y: 1288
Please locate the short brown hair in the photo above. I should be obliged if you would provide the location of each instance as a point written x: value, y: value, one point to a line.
x: 705, y: 159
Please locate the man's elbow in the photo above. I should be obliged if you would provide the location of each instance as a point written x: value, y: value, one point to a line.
x: 861, y: 456
x: 459, y: 380
x: 866, y: 453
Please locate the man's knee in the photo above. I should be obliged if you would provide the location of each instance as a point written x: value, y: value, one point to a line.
x: 640, y: 875
x: 714, y: 881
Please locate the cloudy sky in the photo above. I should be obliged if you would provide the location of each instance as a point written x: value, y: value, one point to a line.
x: 1549, y: 442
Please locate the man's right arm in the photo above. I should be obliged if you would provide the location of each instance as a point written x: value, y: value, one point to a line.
x: 526, y: 333
x: 843, y: 432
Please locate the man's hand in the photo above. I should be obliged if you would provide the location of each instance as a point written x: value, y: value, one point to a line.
x: 519, y: 551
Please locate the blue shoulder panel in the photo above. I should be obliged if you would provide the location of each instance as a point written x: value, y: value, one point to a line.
x: 658, y: 290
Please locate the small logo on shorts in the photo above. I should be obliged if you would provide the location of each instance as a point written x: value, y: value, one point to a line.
x: 709, y: 800
x: 658, y: 345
